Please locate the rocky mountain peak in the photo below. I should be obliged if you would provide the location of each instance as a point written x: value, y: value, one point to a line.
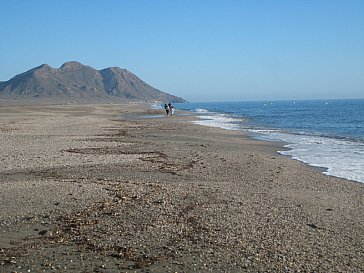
x: 71, y: 65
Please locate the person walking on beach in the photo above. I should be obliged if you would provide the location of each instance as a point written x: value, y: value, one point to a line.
x: 166, y: 107
x: 171, y: 109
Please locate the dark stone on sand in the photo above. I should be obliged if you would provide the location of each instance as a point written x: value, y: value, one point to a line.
x: 43, y: 232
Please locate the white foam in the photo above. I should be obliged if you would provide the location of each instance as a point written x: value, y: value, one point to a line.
x: 200, y: 110
x: 156, y: 106
x: 219, y: 121
x: 341, y: 158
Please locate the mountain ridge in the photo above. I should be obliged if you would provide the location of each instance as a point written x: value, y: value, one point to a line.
x: 74, y: 80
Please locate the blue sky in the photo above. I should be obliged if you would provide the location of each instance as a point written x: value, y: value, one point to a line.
x: 201, y: 50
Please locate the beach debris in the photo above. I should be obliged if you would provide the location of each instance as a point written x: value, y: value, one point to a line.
x: 43, y: 232
x: 10, y: 260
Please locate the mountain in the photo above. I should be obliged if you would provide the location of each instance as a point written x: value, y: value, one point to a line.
x: 74, y: 80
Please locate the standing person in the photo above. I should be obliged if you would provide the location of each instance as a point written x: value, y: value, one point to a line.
x: 166, y: 107
x: 171, y: 110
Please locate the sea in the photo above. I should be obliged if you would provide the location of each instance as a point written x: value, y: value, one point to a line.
x: 322, y: 133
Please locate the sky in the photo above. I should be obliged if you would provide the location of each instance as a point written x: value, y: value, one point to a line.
x: 200, y: 50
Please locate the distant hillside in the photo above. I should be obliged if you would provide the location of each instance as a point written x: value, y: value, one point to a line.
x: 74, y: 80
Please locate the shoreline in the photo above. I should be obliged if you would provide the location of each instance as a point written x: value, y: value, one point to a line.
x: 279, y: 145
x: 339, y: 151
x: 84, y: 190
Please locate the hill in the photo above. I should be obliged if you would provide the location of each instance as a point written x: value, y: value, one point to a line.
x: 73, y: 81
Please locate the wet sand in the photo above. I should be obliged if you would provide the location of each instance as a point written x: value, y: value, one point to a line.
x: 97, y: 188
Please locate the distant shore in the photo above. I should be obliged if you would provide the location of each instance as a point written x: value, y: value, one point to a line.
x: 90, y: 188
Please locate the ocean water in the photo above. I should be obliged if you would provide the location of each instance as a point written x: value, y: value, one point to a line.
x: 328, y: 134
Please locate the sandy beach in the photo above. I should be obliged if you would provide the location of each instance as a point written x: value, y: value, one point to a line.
x: 116, y: 188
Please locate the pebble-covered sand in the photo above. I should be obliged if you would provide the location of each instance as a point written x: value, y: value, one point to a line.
x: 102, y: 188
